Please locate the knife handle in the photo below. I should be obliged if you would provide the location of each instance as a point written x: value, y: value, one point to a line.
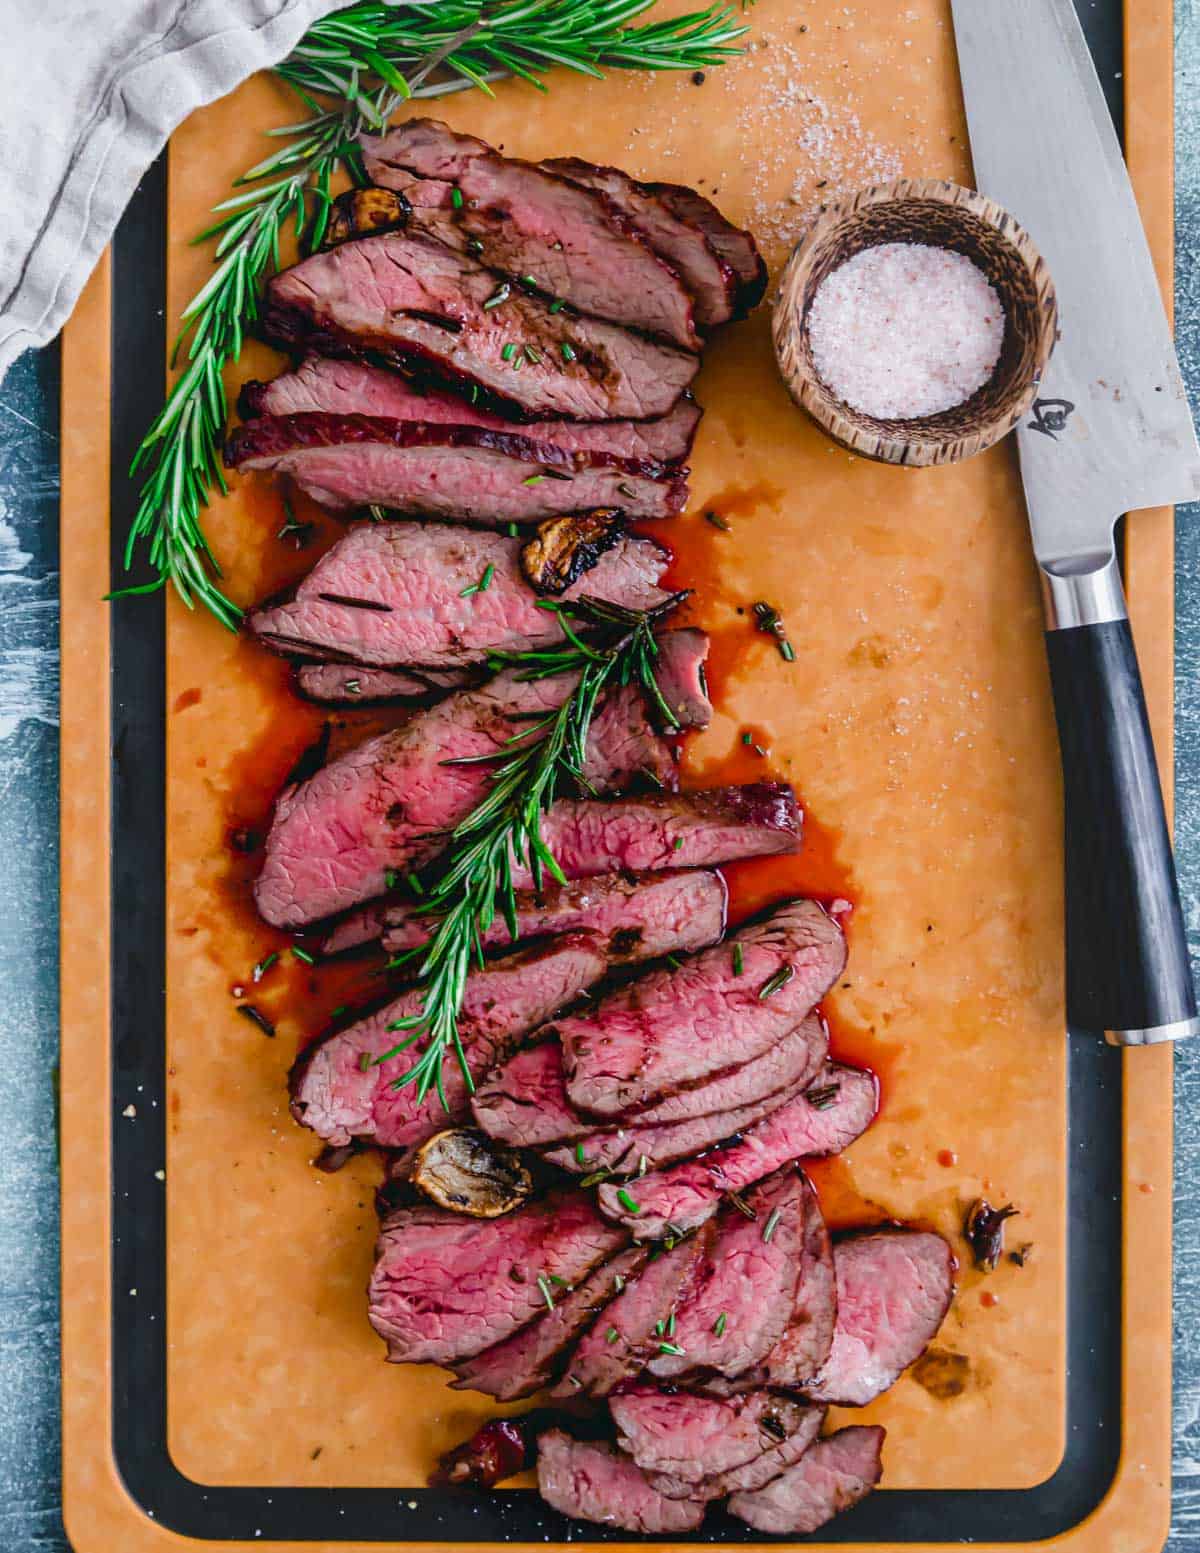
x: 1128, y: 972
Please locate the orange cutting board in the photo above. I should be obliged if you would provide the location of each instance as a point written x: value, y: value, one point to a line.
x: 915, y: 722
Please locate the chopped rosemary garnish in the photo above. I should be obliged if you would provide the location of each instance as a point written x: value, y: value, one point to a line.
x: 719, y: 1324
x: 718, y: 521
x: 547, y: 1292
x: 263, y: 966
x: 747, y: 738
x: 474, y: 245
x: 740, y: 1203
x: 509, y: 351
x: 611, y: 1335
x: 821, y: 1099
x: 414, y: 884
x: 677, y: 844
x: 456, y: 198
x: 772, y: 1224
x: 660, y: 1329
x: 619, y: 1284
x: 390, y: 878
x: 482, y: 585
x: 533, y: 356
x: 353, y: 687
x: 643, y: 1165
x: 672, y: 1348
x: 528, y: 280
x: 556, y: 306
x: 533, y: 479
x: 568, y: 351
x: 595, y: 1178
x: 303, y: 954
x: 671, y: 1325
x: 739, y: 962
x: 580, y: 1156
x: 769, y: 620
x: 786, y: 651
x: 780, y: 979
x: 498, y: 297
x: 627, y: 1202
x: 625, y: 488
x: 513, y: 531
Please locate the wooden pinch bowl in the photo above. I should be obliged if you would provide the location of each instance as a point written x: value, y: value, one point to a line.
x: 922, y: 210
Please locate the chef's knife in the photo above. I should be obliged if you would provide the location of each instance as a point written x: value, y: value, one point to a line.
x: 1109, y: 433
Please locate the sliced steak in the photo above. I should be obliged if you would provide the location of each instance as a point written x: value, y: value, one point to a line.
x: 348, y: 684
x: 745, y: 1289
x: 413, y: 303
x: 666, y: 830
x: 816, y: 1122
x: 389, y: 803
x: 592, y: 1481
x: 337, y: 1093
x: 674, y: 1030
x: 533, y: 224
x: 711, y: 279
x: 894, y: 1287
x: 463, y: 472
x: 736, y: 246
x: 691, y: 1436
x: 322, y: 384
x: 633, y: 1150
x: 636, y: 919
x: 629, y: 1334
x: 640, y: 834
x: 536, y: 1356
x: 398, y: 594
x: 805, y: 1425
x: 526, y: 1103
x: 832, y: 1475
x: 446, y: 1286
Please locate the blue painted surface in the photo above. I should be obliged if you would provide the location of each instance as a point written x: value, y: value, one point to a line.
x: 29, y: 1436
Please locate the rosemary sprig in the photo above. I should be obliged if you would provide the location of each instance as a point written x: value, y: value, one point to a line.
x: 503, y: 831
x: 353, y: 70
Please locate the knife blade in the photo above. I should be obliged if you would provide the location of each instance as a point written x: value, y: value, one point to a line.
x: 1110, y: 432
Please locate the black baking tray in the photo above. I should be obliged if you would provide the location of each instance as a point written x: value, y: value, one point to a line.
x: 279, y: 1512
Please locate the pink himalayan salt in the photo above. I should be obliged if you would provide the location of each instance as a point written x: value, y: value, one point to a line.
x: 905, y: 329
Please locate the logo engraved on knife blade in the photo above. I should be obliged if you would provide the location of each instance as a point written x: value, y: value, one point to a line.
x: 1050, y: 416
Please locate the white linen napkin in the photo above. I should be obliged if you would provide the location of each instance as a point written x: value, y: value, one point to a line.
x: 89, y: 92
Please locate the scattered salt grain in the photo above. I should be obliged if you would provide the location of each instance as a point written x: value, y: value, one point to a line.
x: 905, y: 329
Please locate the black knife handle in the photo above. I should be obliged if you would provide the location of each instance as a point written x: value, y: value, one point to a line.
x: 1127, y: 960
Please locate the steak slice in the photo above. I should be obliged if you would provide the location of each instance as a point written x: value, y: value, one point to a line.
x: 536, y: 1356
x: 804, y: 1424
x: 322, y: 384
x: 736, y: 246
x: 390, y: 803
x: 640, y: 834
x: 745, y: 1289
x: 446, y: 1286
x: 804, y: 1347
x: 635, y: 919
x: 343, y: 1100
x: 668, y: 830
x: 894, y: 1287
x: 535, y: 225
x: 711, y: 279
x: 348, y: 684
x: 832, y: 1475
x: 413, y: 303
x: 462, y: 472
x: 681, y: 1198
x: 622, y: 1343
x: 592, y: 1481
x: 399, y: 594
x: 673, y: 1030
x: 691, y: 1436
